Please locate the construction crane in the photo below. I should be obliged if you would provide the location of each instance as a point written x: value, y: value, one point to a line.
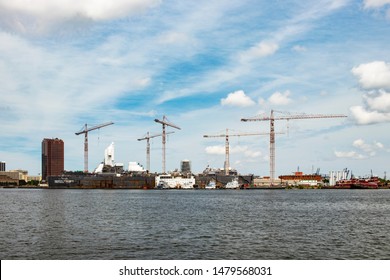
x: 147, y: 138
x: 165, y: 123
x: 287, y: 117
x: 85, y: 130
x: 227, y: 164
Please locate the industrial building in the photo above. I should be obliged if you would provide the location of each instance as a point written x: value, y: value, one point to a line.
x: 300, y: 179
x: 13, y: 177
x: 52, y: 157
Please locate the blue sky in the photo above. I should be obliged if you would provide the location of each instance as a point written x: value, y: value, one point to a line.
x: 205, y: 65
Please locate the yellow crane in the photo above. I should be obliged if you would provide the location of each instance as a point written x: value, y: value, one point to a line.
x: 226, y: 135
x: 287, y: 117
x: 85, y: 131
x: 165, y: 123
x: 147, y: 138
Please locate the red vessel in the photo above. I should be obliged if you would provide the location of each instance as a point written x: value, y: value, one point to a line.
x: 354, y: 183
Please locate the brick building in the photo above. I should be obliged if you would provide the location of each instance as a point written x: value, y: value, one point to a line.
x: 52, y: 157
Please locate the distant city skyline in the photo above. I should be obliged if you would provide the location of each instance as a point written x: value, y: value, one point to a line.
x: 204, y: 65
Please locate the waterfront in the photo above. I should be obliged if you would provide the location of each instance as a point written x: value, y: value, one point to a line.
x: 194, y: 224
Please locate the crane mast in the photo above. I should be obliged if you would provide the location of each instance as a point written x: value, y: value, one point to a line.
x: 85, y: 131
x: 147, y: 138
x: 165, y: 123
x: 272, y: 119
x: 227, y: 163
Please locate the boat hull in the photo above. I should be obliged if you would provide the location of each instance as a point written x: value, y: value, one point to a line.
x: 102, y: 182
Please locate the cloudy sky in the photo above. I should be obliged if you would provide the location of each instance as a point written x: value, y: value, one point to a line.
x: 205, y: 65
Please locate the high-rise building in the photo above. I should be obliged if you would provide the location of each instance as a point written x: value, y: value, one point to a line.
x: 52, y: 157
x: 2, y: 166
x: 185, y: 166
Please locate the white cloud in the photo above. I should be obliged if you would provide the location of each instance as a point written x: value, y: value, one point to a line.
x: 379, y: 145
x: 351, y: 154
x: 173, y: 37
x: 262, y: 49
x: 376, y: 108
x: 279, y: 98
x: 237, y: 98
x: 215, y: 150
x: 244, y: 150
x: 373, y: 75
x: 366, y: 150
x: 363, y: 116
x: 378, y: 101
x: 299, y: 48
x: 40, y: 16
x: 375, y: 3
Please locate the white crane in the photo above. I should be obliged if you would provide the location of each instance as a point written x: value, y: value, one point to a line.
x: 147, y: 138
x: 287, y: 117
x: 165, y: 123
x: 85, y: 130
x: 227, y: 164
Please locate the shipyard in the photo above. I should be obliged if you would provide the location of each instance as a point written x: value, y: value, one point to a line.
x: 112, y: 175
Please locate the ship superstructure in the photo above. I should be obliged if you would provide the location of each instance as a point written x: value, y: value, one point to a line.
x: 170, y: 181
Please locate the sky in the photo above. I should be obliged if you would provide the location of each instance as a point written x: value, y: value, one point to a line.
x: 204, y: 65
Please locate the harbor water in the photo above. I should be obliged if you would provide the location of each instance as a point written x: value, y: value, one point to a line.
x: 194, y: 224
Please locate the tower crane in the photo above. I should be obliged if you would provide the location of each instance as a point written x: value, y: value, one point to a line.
x: 85, y: 130
x: 147, y: 138
x: 287, y: 117
x: 165, y: 123
x: 227, y: 164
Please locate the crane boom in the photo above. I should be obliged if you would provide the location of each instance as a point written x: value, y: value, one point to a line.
x: 243, y: 134
x: 272, y: 119
x: 227, y: 153
x: 85, y: 130
x: 294, y: 117
x: 152, y: 136
x: 164, y: 123
x: 147, y: 138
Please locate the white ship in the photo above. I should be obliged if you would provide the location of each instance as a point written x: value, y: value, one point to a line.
x: 233, y: 184
x: 211, y: 185
x: 167, y: 181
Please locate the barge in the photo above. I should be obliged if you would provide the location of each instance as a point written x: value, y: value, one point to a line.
x: 102, y: 181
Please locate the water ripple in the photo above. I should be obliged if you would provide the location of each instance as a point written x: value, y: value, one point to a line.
x: 244, y: 224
